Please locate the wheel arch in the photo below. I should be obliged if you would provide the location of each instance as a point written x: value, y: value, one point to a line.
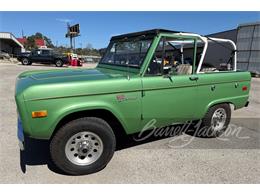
x: 116, y: 125
x: 230, y: 103
x: 57, y: 58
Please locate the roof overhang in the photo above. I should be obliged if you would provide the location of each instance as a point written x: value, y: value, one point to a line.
x: 9, y: 36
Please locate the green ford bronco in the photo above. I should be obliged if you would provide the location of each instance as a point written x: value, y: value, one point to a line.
x: 161, y: 75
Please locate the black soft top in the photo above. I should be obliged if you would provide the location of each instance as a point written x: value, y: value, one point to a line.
x: 145, y: 34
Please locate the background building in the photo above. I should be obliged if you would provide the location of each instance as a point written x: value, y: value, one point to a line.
x: 248, y: 46
x: 9, y: 44
x: 247, y: 39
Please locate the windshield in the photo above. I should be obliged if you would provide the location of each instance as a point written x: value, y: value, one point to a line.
x: 126, y: 53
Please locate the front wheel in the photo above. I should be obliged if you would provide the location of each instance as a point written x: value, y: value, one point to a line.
x: 83, y: 146
x: 215, y: 121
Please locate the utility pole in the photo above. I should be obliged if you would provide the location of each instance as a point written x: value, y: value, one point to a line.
x: 81, y: 48
x: 74, y: 43
x: 71, y: 46
x: 68, y: 34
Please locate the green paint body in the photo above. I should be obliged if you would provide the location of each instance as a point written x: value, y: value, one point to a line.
x: 67, y: 91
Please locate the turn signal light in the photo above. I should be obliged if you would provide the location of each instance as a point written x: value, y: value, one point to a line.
x: 39, y: 114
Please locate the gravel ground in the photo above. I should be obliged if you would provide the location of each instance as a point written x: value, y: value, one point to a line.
x: 181, y: 159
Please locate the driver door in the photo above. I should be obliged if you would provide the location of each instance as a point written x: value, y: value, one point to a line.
x: 168, y: 98
x: 168, y: 101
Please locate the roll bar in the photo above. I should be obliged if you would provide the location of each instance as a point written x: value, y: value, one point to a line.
x: 206, y: 40
x: 234, y: 48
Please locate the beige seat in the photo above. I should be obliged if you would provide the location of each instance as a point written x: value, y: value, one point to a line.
x: 184, y: 69
x: 208, y: 70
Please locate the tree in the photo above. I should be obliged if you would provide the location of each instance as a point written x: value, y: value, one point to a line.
x: 48, y: 42
x: 30, y: 43
x: 39, y: 35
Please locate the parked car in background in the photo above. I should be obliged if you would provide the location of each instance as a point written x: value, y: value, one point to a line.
x: 44, y: 56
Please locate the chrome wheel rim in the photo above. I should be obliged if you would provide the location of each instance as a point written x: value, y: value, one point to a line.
x: 218, y: 119
x: 84, y: 148
x: 25, y: 61
x: 58, y: 63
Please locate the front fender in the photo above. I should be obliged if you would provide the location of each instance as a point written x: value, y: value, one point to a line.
x: 127, y: 113
x: 88, y: 107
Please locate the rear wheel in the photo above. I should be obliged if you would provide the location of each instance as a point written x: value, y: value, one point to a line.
x: 59, y: 63
x: 215, y: 122
x: 25, y: 61
x: 83, y: 146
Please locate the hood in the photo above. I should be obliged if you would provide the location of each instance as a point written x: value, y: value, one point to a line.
x: 65, y: 82
x: 68, y: 75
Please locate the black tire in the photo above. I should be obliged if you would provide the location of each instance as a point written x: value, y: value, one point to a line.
x: 206, y: 130
x: 90, y: 124
x: 25, y: 61
x: 59, y: 63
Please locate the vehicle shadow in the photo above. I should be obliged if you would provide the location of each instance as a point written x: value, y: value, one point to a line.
x: 37, y: 151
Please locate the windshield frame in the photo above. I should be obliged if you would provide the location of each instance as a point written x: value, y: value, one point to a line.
x: 132, y: 39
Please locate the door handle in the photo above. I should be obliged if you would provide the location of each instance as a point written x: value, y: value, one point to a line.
x: 194, y: 78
